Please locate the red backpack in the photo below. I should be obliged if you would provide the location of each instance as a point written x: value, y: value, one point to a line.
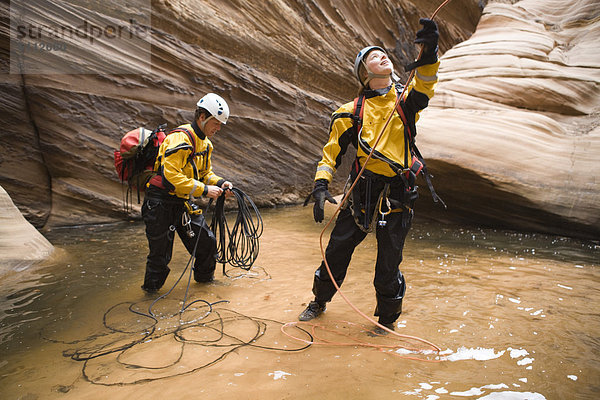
x: 134, y: 161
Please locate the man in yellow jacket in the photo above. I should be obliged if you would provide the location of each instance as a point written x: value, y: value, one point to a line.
x: 184, y: 171
x: 384, y: 196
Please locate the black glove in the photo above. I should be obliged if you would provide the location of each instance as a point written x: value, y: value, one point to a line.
x: 320, y: 193
x: 428, y: 36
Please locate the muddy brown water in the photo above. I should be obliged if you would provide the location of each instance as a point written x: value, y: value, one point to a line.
x: 515, y: 316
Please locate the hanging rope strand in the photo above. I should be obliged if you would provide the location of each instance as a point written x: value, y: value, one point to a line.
x: 239, y: 245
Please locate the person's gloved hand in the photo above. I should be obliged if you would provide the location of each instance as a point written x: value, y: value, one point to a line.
x: 428, y: 36
x: 320, y: 194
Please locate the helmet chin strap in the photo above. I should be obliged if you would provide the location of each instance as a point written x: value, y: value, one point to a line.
x: 371, y: 75
x: 203, y: 123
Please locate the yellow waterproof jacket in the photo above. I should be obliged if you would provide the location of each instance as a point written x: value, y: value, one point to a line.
x: 183, y: 175
x: 377, y: 106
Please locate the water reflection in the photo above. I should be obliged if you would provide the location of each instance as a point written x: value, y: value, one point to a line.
x: 512, y: 313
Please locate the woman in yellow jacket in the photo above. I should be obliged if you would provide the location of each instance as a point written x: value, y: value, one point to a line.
x: 184, y: 171
x: 385, y: 194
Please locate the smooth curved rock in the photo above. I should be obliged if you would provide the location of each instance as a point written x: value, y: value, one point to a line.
x: 517, y: 113
x: 21, y: 245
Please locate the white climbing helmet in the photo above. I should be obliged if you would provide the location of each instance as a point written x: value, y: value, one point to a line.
x: 216, y: 106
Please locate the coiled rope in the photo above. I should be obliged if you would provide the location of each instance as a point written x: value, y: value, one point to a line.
x: 238, y: 246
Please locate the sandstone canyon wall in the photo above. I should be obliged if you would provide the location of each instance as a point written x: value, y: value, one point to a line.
x: 514, y: 124
x: 515, y: 102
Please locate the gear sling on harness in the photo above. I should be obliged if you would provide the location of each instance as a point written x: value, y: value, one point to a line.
x: 365, y: 210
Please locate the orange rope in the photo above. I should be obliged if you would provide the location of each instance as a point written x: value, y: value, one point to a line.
x: 388, y: 349
x: 437, y: 349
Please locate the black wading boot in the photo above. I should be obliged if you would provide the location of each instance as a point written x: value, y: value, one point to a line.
x: 312, y: 311
x: 378, y: 331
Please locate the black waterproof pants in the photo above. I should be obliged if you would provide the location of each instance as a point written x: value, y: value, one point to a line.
x: 163, y: 218
x: 389, y: 282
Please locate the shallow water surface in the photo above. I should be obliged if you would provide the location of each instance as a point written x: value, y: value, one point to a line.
x: 513, y: 316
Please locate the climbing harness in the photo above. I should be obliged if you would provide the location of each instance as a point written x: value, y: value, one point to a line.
x: 408, y: 174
